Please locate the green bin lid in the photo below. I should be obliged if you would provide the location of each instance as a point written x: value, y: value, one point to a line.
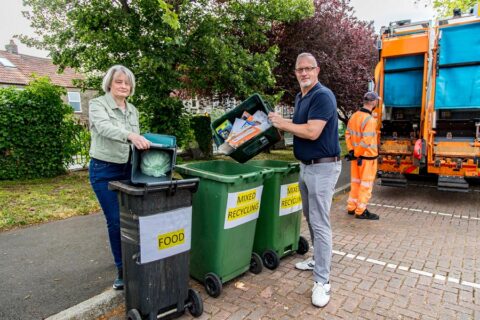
x: 278, y: 166
x: 224, y: 171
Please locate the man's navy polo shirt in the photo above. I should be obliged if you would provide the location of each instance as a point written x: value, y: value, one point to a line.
x: 318, y: 104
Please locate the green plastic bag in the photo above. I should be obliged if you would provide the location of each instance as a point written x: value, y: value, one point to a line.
x: 155, y: 163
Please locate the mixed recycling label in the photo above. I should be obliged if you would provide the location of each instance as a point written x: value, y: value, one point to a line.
x: 165, y: 234
x: 290, y: 199
x: 242, y: 207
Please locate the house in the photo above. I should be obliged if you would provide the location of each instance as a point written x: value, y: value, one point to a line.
x: 16, y: 70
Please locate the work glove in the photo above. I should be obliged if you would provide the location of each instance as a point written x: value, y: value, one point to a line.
x: 359, y: 162
x: 350, y: 156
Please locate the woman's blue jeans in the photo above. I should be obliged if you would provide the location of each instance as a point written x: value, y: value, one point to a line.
x: 101, y: 173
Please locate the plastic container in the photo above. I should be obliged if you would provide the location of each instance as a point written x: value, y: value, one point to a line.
x: 278, y: 226
x: 158, y: 142
x: 254, y: 146
x: 225, y: 211
x: 155, y: 227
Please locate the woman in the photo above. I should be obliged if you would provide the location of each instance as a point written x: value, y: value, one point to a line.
x: 114, y: 126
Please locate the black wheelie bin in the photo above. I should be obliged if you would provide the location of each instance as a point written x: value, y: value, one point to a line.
x: 156, y: 224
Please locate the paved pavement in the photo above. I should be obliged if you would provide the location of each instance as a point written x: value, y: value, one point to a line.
x: 419, y: 261
x: 50, y: 267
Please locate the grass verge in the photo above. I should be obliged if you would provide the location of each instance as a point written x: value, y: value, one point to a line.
x: 24, y: 203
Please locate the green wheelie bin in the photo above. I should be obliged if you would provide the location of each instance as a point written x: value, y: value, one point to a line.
x: 278, y: 226
x: 225, y: 211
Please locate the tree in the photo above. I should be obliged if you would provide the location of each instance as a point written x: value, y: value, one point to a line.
x: 202, y: 46
x: 343, y: 46
x: 445, y: 7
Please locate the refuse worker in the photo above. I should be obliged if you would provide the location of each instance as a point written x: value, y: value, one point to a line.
x: 114, y: 125
x: 315, y: 144
x: 361, y: 139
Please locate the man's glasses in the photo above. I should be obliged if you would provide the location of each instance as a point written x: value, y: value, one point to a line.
x: 307, y: 69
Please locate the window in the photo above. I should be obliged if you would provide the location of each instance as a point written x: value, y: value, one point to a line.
x: 74, y: 101
x: 6, y: 63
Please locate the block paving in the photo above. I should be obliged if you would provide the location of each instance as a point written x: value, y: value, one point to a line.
x: 421, y: 260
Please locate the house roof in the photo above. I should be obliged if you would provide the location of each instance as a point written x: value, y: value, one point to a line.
x: 26, y: 65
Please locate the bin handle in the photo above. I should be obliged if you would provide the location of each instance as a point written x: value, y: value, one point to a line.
x: 292, y: 166
x: 268, y: 173
x: 136, y: 258
x: 265, y: 174
x: 268, y: 106
x: 248, y: 176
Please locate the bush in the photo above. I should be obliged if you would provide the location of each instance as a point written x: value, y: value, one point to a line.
x: 166, y: 117
x: 203, y: 134
x: 33, y: 131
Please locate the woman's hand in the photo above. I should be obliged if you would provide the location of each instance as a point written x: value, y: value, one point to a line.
x: 139, y: 141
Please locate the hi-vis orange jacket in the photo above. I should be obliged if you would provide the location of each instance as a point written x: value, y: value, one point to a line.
x: 361, y: 135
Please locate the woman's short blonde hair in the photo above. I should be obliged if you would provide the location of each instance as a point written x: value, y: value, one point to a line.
x: 108, y: 78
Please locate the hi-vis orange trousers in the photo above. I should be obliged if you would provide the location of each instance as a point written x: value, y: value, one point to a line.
x: 362, y: 178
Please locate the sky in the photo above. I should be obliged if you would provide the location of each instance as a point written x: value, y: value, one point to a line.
x: 382, y: 12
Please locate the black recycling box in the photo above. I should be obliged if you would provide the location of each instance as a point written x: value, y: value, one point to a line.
x: 255, y: 145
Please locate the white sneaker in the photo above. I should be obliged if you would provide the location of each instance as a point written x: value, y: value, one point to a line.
x: 320, y: 294
x: 305, y: 264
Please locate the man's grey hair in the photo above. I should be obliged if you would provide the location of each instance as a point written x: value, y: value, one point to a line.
x: 306, y: 55
x: 108, y: 78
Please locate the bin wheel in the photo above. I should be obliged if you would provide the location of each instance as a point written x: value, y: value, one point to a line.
x: 302, y: 246
x: 270, y: 259
x: 213, y: 285
x: 133, y: 314
x: 256, y: 263
x: 196, y: 305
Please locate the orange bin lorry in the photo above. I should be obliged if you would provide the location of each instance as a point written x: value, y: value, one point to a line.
x: 453, y: 113
x: 401, y: 78
x: 429, y: 122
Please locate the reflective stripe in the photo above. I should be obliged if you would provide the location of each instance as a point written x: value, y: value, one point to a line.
x: 355, y: 180
x: 364, y: 123
x: 352, y: 200
x: 360, y: 134
x: 366, y: 183
x: 364, y: 145
x: 362, y: 205
x: 354, y: 133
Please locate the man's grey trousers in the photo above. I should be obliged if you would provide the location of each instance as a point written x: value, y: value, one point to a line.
x: 317, y: 185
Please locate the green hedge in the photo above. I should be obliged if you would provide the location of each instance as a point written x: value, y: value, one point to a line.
x: 35, y: 132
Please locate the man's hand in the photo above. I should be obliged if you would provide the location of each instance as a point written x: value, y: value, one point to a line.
x: 139, y: 141
x: 276, y: 119
x: 350, y: 156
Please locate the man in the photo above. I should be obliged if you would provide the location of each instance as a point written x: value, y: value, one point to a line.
x: 361, y: 139
x: 315, y: 144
